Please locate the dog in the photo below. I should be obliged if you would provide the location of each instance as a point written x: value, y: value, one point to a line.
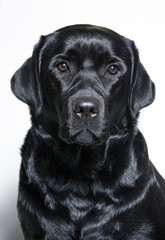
x: 85, y: 171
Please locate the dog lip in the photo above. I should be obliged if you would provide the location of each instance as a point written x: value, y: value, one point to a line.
x: 83, y: 130
x: 92, y: 138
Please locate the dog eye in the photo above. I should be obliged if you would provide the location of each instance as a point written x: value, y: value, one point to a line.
x: 62, y: 66
x: 113, y: 70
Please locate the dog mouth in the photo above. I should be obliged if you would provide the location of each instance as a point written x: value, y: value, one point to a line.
x: 85, y: 137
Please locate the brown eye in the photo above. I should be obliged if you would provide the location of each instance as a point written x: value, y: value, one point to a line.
x: 113, y: 70
x: 62, y: 67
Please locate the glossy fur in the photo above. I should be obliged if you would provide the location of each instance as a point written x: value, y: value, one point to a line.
x: 85, y: 172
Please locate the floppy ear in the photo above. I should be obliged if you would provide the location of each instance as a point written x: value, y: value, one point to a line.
x: 25, y: 83
x: 142, y: 89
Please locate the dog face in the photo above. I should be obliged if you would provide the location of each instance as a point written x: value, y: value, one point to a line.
x: 84, y: 71
x: 84, y: 83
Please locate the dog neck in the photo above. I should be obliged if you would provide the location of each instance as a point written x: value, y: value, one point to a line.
x: 120, y: 171
x: 119, y: 155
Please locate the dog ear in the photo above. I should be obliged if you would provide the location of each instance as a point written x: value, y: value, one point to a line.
x: 142, y: 89
x: 25, y: 83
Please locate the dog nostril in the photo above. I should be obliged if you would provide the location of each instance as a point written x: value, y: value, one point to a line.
x: 93, y: 112
x: 86, y: 108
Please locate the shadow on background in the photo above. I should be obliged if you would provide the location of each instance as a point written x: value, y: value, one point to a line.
x: 9, y: 225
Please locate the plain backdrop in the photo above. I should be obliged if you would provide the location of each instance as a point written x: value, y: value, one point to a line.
x: 21, y: 24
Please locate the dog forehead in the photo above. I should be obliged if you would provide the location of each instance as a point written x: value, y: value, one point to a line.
x: 80, y: 36
x: 88, y: 41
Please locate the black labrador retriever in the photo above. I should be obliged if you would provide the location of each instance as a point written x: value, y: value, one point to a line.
x: 85, y: 172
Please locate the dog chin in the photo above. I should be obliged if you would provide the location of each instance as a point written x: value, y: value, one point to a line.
x: 85, y: 137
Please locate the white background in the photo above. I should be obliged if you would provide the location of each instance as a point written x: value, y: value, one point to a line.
x: 21, y: 24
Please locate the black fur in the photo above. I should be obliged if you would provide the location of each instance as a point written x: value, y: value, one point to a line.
x: 85, y: 172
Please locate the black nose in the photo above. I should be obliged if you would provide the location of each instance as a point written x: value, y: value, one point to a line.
x: 86, y: 107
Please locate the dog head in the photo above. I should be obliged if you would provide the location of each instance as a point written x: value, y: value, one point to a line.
x: 84, y: 83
